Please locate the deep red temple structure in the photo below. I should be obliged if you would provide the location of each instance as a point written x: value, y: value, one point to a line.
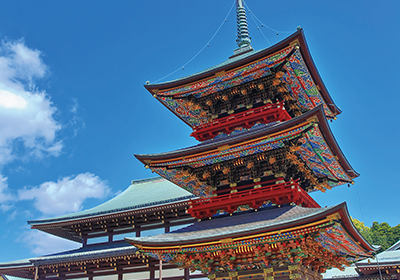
x: 242, y: 193
x: 262, y: 119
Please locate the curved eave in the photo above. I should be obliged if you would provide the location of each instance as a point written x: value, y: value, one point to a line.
x: 341, y: 209
x: 67, y: 221
x: 138, y: 196
x: 317, y: 112
x: 295, y: 37
x: 57, y: 228
x: 19, y: 269
x: 90, y: 252
x: 351, y: 229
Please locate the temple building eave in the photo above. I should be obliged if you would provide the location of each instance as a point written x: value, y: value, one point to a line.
x: 241, y: 225
x: 320, y: 241
x: 119, y: 211
x: 316, y: 94
x: 316, y: 147
x: 254, y: 133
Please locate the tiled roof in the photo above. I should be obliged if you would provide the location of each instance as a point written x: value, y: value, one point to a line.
x: 391, y: 255
x: 395, y: 246
x: 337, y: 273
x: 140, y: 194
x: 104, y: 250
x: 17, y: 263
x: 236, y: 225
x: 88, y: 252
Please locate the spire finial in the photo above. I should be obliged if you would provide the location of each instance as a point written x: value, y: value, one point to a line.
x: 243, y: 38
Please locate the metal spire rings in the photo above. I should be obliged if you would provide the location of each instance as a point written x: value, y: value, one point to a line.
x: 243, y: 38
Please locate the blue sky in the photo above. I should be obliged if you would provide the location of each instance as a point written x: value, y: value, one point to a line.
x: 73, y: 109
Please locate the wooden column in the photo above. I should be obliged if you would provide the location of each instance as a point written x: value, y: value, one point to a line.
x: 84, y: 240
x: 187, y: 274
x: 110, y: 236
x: 152, y: 272
x: 167, y: 227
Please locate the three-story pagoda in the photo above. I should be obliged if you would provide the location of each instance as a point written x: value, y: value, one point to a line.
x: 261, y: 118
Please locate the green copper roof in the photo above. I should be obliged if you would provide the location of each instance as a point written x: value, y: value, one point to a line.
x: 140, y: 194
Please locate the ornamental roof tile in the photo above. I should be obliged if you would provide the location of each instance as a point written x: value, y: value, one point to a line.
x: 140, y: 194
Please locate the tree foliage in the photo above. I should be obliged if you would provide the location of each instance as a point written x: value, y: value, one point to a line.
x: 379, y: 233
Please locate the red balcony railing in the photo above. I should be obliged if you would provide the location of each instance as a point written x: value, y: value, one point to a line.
x: 279, y: 194
x: 265, y: 114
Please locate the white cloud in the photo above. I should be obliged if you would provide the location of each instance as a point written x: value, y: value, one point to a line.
x: 66, y: 195
x: 4, y: 195
x: 10, y: 100
x: 26, y: 114
x: 41, y: 243
x: 76, y: 121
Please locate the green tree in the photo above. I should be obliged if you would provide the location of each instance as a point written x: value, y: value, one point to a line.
x: 381, y: 234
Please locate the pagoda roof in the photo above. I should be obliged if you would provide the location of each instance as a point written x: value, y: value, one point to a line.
x: 141, y: 195
x: 278, y: 223
x: 247, y: 67
x: 250, y: 141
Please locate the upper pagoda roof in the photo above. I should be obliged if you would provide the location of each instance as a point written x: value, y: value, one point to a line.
x: 276, y: 223
x: 141, y: 196
x: 319, y: 150
x: 304, y: 79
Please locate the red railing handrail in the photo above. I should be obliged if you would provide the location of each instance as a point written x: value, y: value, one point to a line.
x: 263, y: 189
x: 279, y: 104
x: 244, y: 119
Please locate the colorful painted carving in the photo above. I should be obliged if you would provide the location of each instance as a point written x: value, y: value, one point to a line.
x: 302, y: 86
x: 320, y: 245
